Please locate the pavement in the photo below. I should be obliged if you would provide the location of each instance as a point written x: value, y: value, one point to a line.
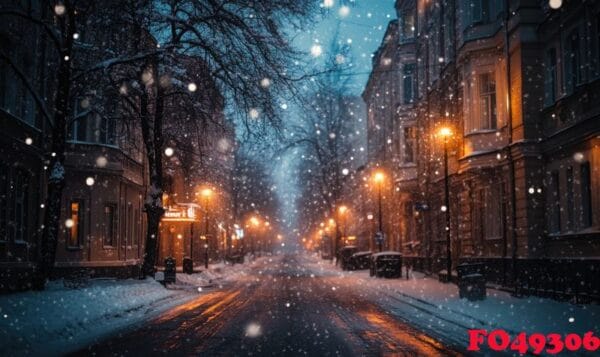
x: 277, y: 308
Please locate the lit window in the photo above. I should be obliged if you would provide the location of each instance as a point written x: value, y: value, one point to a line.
x: 75, y: 232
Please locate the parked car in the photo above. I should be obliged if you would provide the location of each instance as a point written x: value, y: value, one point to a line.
x: 359, y: 261
x: 386, y: 265
x: 344, y: 255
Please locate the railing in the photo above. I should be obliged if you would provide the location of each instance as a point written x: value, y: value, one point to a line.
x: 574, y: 279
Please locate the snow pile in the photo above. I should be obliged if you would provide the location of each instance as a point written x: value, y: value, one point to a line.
x: 59, y: 319
x: 214, y: 275
x: 436, y: 307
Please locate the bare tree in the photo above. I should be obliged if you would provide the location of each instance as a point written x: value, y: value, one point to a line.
x: 325, y: 133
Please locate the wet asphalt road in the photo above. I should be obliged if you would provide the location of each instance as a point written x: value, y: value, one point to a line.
x: 277, y: 309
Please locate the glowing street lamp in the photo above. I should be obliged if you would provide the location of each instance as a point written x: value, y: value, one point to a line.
x: 206, y: 193
x: 445, y: 133
x: 342, y: 210
x: 379, y: 178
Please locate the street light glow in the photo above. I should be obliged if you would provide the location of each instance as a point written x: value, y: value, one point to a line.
x: 207, y: 192
x: 445, y: 132
x: 342, y: 209
x: 378, y: 177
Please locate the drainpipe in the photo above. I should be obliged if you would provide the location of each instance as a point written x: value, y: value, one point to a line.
x: 509, y: 155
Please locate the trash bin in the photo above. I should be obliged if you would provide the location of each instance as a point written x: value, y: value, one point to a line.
x: 472, y: 287
x: 471, y: 281
x: 188, y: 265
x: 170, y: 270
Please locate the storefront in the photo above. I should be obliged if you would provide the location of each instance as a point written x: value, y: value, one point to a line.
x: 180, y: 234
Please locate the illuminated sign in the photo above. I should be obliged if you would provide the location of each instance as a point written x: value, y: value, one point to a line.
x: 184, y: 212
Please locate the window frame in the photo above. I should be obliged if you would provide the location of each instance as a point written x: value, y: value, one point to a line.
x: 114, y: 225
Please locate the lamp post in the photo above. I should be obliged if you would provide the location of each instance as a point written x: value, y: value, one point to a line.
x: 378, y: 177
x: 255, y: 223
x: 342, y: 212
x: 206, y: 193
x: 445, y: 133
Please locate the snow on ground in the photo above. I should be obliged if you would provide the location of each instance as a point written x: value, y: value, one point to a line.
x: 435, y: 306
x: 59, y: 319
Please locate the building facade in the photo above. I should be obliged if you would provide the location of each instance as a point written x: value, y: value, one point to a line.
x: 515, y: 83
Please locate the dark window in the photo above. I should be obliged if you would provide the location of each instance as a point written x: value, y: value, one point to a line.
x: 21, y: 203
x: 136, y: 227
x: 407, y: 23
x: 410, y: 139
x: 573, y: 70
x: 110, y: 220
x: 570, y: 200
x: 586, y: 195
x: 4, y: 202
x: 493, y: 211
x: 408, y: 81
x: 479, y: 10
x: 130, y: 224
x: 554, y: 225
x: 75, y: 224
x: 487, y: 101
x: 550, y: 77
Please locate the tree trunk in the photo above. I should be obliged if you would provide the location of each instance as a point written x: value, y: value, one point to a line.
x: 56, y: 181
x: 153, y: 140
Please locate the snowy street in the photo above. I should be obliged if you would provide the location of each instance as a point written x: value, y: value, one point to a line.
x: 279, y: 307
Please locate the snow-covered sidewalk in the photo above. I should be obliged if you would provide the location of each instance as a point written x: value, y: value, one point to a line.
x: 435, y: 306
x: 60, y: 320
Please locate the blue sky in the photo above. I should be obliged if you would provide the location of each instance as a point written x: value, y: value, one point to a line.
x: 363, y: 27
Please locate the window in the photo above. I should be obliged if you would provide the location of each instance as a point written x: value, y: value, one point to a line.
x: 487, y: 101
x: 570, y: 200
x: 75, y: 231
x: 586, y: 195
x: 410, y: 140
x: 550, y: 77
x: 4, y: 199
x: 492, y: 208
x: 130, y: 223
x: 408, y: 80
x: 573, y: 70
x: 136, y: 226
x: 20, y: 212
x: 407, y: 23
x: 478, y: 11
x: 554, y: 225
x: 109, y: 224
x: 477, y: 215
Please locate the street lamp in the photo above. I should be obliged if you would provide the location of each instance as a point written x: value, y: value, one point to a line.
x: 446, y: 133
x: 255, y: 222
x: 342, y: 210
x: 379, y: 177
x: 206, y: 193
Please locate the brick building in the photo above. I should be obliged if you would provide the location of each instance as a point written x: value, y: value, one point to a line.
x: 518, y: 91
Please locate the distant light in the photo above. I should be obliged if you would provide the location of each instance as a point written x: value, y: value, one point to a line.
x: 28, y: 141
x: 169, y: 151
x: 555, y: 4
x: 328, y: 3
x: 344, y: 11
x: 192, y: 87
x: 316, y: 50
x: 90, y: 181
